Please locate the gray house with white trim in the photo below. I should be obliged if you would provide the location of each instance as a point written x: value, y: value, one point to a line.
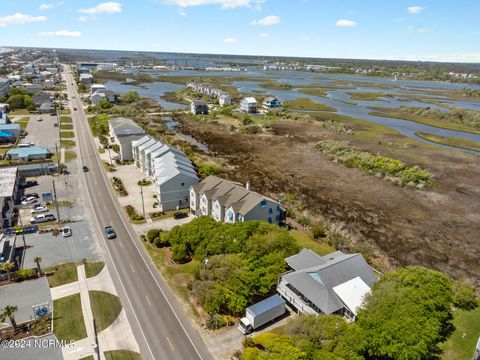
x: 124, y: 131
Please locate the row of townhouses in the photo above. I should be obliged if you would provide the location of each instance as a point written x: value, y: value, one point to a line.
x: 222, y: 96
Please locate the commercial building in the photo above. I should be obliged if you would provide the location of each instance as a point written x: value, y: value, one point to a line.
x: 123, y: 131
x: 29, y: 153
x: 11, y: 131
x: 8, y: 191
x: 332, y: 284
x: 249, y: 105
x: 229, y: 202
x: 171, y: 169
x: 4, y: 86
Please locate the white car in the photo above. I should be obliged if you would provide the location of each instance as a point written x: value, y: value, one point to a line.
x: 29, y: 201
x: 39, y: 209
x: 66, y: 231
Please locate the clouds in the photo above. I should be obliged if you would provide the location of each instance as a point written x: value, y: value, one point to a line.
x: 264, y: 35
x: 19, y: 19
x: 61, y: 33
x: 267, y: 21
x: 106, y: 8
x: 346, y: 23
x: 415, y: 9
x: 229, y: 40
x: 48, y: 6
x: 417, y: 30
x: 224, y: 4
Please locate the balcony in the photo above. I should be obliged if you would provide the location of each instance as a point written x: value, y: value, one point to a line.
x: 293, y: 299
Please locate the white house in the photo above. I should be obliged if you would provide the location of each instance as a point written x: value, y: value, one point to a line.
x: 124, y: 131
x: 86, y: 78
x: 95, y: 87
x: 249, y: 105
x: 224, y: 100
x: 335, y: 283
x: 229, y: 202
x: 171, y: 169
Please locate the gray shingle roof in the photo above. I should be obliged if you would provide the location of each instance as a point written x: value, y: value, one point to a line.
x: 316, y: 283
x: 122, y: 126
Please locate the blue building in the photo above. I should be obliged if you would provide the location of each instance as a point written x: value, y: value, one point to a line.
x: 11, y: 131
x: 271, y: 103
x: 29, y: 153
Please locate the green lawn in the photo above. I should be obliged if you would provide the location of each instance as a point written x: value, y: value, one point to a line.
x: 105, y: 307
x: 70, y: 155
x: 307, y: 104
x: 61, y: 274
x: 305, y: 241
x: 461, y: 344
x: 68, y: 323
x: 65, y: 120
x: 67, y: 143
x: 93, y: 268
x: 67, y: 134
x: 122, y: 355
x: 90, y: 357
x: 66, y: 126
x: 19, y: 112
x: 23, y: 122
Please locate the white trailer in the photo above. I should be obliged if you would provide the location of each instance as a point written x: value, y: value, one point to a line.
x: 261, y: 313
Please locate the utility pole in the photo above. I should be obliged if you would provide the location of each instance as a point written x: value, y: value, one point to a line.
x: 143, y: 204
x: 58, y: 158
x: 56, y: 201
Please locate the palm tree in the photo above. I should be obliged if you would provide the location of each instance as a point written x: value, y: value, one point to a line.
x: 9, y: 312
x: 37, y: 261
x: 7, y: 267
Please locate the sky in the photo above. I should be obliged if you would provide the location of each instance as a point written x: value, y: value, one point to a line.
x: 430, y: 30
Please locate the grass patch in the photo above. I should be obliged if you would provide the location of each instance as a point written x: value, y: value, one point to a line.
x: 307, y: 104
x: 19, y: 112
x: 66, y: 126
x: 67, y: 134
x: 90, y: 357
x: 68, y: 322
x: 23, y: 122
x: 368, y: 96
x: 65, y: 112
x: 406, y: 113
x: 105, y: 308
x: 70, y: 155
x: 67, y: 143
x: 99, y: 124
x: 61, y: 274
x: 66, y: 120
x: 314, y: 92
x: 93, y: 268
x: 122, y: 355
x: 461, y: 344
x: 451, y: 141
x: 305, y: 241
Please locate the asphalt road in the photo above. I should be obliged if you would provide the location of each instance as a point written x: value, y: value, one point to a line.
x: 159, y: 323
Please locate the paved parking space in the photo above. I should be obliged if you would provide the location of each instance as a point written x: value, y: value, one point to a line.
x: 42, y: 133
x: 41, y: 351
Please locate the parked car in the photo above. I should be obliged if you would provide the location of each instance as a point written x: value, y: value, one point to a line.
x: 74, y: 109
x: 180, y: 215
x: 42, y: 218
x: 85, y: 168
x: 39, y: 209
x: 110, y: 232
x: 28, y: 183
x: 26, y: 196
x: 66, y: 231
x: 29, y: 201
x: 40, y: 119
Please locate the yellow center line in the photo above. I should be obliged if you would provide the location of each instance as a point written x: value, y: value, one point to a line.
x: 170, y: 343
x: 131, y: 267
x: 148, y: 300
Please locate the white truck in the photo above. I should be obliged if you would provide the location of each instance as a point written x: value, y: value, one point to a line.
x: 261, y: 313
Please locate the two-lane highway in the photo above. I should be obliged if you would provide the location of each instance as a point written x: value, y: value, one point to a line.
x: 161, y: 327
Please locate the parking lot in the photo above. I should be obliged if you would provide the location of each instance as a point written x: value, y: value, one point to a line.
x: 42, y: 133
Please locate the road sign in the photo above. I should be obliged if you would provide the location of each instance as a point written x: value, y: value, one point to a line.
x: 47, y: 197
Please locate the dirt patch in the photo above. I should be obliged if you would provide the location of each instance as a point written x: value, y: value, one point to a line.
x: 437, y: 228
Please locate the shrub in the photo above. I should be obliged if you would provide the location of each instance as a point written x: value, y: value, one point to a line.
x: 214, y: 322
x: 464, y: 296
x: 161, y: 241
x: 132, y: 213
x: 152, y: 234
x: 25, y: 274
x: 206, y: 169
x: 318, y: 232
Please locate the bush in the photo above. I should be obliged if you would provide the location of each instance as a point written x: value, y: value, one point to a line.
x: 206, y: 169
x: 132, y: 213
x: 25, y: 274
x: 214, y: 322
x: 318, y: 232
x: 152, y: 234
x: 464, y: 296
x: 144, y: 182
x: 161, y: 241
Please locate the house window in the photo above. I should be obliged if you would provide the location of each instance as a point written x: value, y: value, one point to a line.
x: 263, y: 203
x: 270, y: 211
x: 182, y: 184
x: 269, y: 220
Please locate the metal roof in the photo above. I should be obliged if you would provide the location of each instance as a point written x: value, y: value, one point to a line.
x: 266, y: 304
x: 352, y: 293
x: 26, y: 151
x: 8, y: 177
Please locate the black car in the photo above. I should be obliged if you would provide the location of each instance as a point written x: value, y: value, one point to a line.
x: 110, y: 232
x: 180, y: 215
x: 28, y: 183
x: 85, y: 168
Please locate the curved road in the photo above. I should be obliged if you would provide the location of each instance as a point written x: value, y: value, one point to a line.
x: 158, y: 321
